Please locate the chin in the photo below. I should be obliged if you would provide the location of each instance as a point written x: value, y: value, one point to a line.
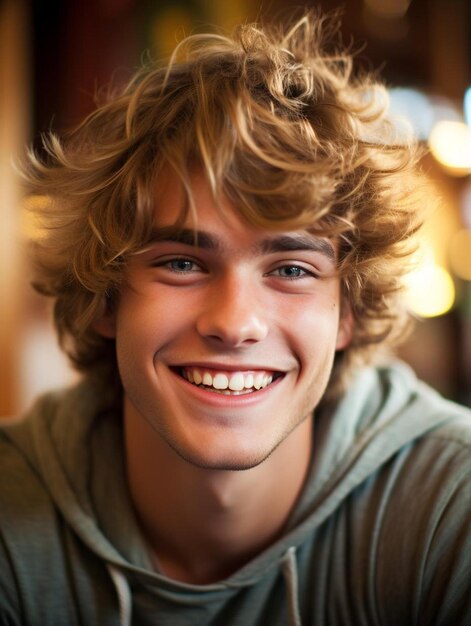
x: 231, y: 461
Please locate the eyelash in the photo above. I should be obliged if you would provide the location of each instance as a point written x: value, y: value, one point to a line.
x: 167, y: 263
x: 304, y: 272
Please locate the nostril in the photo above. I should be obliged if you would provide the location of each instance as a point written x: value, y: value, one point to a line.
x: 232, y: 330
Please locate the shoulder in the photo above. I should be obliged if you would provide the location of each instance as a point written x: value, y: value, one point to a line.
x: 40, y: 555
x: 411, y: 517
x: 423, y: 527
x: 20, y: 482
x: 26, y: 515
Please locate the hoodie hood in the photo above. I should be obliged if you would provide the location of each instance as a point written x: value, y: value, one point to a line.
x: 73, y: 439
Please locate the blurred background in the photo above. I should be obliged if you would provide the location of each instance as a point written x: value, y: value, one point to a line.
x: 56, y: 54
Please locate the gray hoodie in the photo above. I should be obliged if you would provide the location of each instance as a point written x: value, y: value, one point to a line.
x: 380, y: 536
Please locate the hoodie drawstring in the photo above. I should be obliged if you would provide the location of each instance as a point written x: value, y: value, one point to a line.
x: 124, y: 594
x: 290, y: 573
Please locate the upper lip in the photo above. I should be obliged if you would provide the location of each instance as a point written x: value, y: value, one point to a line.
x: 228, y: 367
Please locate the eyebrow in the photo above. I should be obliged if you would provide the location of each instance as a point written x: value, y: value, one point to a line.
x: 292, y: 243
x: 186, y: 236
x: 270, y: 245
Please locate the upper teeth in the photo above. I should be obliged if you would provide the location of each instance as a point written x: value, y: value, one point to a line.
x: 235, y: 381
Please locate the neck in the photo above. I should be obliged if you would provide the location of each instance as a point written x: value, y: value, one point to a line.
x: 204, y: 524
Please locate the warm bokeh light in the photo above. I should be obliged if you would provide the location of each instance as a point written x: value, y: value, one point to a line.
x: 450, y: 144
x: 460, y: 254
x: 430, y: 290
x: 392, y: 9
x: 169, y: 27
x: 30, y: 226
x: 173, y: 21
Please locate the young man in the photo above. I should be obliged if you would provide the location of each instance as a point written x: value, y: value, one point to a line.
x: 225, y: 243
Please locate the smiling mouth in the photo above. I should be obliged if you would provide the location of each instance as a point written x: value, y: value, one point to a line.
x: 229, y: 383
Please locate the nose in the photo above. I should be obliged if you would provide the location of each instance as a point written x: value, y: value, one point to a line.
x: 232, y: 314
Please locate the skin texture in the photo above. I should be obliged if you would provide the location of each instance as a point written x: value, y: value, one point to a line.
x: 214, y: 477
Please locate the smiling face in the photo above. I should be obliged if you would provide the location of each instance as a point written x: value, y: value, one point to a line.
x: 225, y: 343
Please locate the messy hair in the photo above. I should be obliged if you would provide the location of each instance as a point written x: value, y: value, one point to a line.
x: 282, y: 126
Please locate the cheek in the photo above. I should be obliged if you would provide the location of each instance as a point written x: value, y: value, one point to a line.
x: 313, y: 325
x: 316, y: 342
x: 150, y: 312
x: 313, y: 336
x: 143, y: 325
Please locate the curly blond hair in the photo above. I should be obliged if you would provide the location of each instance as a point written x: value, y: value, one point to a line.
x: 282, y: 127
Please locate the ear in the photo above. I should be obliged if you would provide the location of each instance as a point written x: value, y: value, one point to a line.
x: 105, y: 325
x: 345, y: 331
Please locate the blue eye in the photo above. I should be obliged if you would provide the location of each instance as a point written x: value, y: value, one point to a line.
x: 292, y: 271
x: 180, y: 265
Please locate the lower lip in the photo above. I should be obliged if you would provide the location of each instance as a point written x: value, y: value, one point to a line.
x: 225, y: 400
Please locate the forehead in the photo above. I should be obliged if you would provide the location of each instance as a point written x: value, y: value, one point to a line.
x: 215, y: 224
x: 172, y: 200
